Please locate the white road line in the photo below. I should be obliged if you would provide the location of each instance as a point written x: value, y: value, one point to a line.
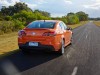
x: 86, y: 36
x: 74, y: 70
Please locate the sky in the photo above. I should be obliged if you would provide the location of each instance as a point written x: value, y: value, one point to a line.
x: 59, y: 8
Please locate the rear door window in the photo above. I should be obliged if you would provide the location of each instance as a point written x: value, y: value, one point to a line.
x: 64, y: 25
x: 61, y: 26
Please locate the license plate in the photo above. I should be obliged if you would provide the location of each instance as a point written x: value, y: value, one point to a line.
x: 33, y: 43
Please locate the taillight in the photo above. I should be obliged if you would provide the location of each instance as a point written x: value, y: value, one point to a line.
x: 49, y: 34
x: 21, y: 33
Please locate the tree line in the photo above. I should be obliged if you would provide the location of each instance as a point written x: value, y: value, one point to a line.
x: 96, y: 19
x: 14, y: 18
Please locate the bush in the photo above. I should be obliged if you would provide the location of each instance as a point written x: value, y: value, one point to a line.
x: 82, y: 16
x: 1, y: 32
x: 9, y: 26
x: 64, y: 20
x: 72, y: 19
x: 6, y: 26
x: 1, y: 19
x: 18, y: 25
x: 8, y: 18
x: 25, y: 16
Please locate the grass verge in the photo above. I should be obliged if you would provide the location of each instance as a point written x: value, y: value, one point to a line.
x: 77, y: 25
x: 97, y: 23
x: 8, y: 43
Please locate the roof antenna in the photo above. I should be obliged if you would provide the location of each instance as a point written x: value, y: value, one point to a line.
x: 44, y: 20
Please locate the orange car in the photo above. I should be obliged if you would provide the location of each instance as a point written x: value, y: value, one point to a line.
x: 49, y: 35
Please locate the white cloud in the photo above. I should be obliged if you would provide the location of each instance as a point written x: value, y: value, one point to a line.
x: 8, y: 2
x: 95, y: 5
x: 68, y: 1
x: 12, y: 2
x: 36, y: 3
x: 31, y: 5
x: 41, y: 1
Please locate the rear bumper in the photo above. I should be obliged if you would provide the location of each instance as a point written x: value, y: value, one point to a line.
x: 34, y: 48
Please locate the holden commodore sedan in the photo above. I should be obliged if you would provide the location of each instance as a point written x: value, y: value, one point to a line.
x: 48, y: 35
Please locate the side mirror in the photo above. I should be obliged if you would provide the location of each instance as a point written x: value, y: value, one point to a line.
x: 69, y: 28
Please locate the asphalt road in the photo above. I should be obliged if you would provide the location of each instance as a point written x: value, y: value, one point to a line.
x: 80, y: 58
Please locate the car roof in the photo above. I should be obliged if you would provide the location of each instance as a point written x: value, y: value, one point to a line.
x: 48, y: 21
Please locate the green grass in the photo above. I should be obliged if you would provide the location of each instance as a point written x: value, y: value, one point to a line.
x: 8, y: 42
x: 97, y: 23
x: 77, y: 25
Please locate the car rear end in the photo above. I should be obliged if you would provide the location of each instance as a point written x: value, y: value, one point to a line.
x: 38, y: 35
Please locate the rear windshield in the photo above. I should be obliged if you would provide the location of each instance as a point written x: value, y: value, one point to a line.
x: 41, y: 24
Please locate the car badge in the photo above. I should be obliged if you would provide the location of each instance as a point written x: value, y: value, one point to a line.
x: 33, y: 33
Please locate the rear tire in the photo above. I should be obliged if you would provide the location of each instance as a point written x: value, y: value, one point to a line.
x: 62, y: 50
x: 71, y: 40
